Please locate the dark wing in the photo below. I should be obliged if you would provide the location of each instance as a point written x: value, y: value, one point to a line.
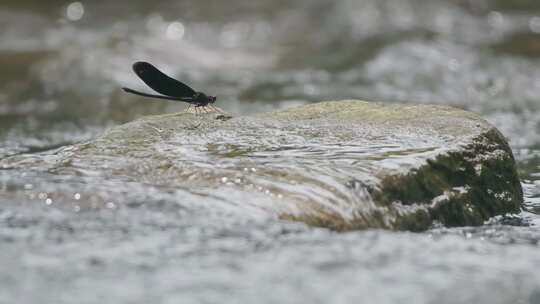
x: 160, y: 82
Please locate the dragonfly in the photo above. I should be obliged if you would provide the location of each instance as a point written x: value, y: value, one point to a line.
x: 171, y: 89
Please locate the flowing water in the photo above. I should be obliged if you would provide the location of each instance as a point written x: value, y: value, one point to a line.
x: 62, y: 64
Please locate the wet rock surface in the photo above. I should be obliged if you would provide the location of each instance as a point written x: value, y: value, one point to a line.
x: 342, y: 165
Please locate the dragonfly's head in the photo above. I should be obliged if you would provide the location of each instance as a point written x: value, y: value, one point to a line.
x: 212, y: 99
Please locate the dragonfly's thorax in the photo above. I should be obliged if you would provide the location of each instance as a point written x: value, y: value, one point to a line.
x: 202, y: 99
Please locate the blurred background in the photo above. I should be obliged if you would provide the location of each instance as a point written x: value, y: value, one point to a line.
x: 63, y: 62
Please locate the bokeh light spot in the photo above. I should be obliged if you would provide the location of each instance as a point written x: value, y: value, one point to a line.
x: 175, y: 30
x: 534, y: 24
x: 75, y: 11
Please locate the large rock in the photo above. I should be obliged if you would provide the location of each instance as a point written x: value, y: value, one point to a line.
x: 343, y: 165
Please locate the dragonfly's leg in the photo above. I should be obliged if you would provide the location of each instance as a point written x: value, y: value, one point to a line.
x: 217, y: 109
